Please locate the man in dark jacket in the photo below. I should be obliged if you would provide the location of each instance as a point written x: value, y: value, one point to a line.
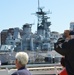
x: 67, y: 50
x: 20, y: 62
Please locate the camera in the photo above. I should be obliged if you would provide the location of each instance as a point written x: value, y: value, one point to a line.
x: 60, y: 40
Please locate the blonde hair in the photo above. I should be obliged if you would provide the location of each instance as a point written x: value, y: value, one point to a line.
x: 22, y: 58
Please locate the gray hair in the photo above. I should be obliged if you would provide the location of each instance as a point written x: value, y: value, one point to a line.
x: 22, y: 57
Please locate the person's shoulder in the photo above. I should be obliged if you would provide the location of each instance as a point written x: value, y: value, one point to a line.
x: 71, y: 40
x: 15, y: 73
x: 21, y: 72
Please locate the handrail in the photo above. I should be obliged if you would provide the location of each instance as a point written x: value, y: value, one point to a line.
x: 31, y: 65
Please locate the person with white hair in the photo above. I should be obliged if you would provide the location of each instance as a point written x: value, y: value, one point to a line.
x: 21, y: 60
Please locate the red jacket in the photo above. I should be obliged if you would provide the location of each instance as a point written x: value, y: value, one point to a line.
x: 63, y: 72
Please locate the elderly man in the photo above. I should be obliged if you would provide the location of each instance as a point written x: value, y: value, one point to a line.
x: 21, y: 62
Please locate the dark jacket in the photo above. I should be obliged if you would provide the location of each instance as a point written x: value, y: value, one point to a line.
x: 67, y: 50
x: 22, y: 71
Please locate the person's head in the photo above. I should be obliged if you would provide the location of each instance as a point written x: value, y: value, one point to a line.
x: 21, y: 59
x: 66, y: 33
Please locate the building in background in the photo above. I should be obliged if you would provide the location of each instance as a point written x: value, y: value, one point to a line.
x: 4, y: 34
x: 72, y: 26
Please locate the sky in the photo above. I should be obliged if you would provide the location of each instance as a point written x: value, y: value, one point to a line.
x: 15, y: 13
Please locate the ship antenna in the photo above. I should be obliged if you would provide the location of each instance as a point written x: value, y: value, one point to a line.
x: 38, y: 5
x: 38, y: 15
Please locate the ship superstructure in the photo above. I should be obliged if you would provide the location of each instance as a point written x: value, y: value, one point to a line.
x: 43, y: 29
x: 24, y: 40
x: 30, y: 41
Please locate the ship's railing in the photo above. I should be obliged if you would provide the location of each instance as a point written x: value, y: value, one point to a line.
x: 35, y: 69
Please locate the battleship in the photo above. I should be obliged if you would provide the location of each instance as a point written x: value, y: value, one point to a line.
x: 38, y: 45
